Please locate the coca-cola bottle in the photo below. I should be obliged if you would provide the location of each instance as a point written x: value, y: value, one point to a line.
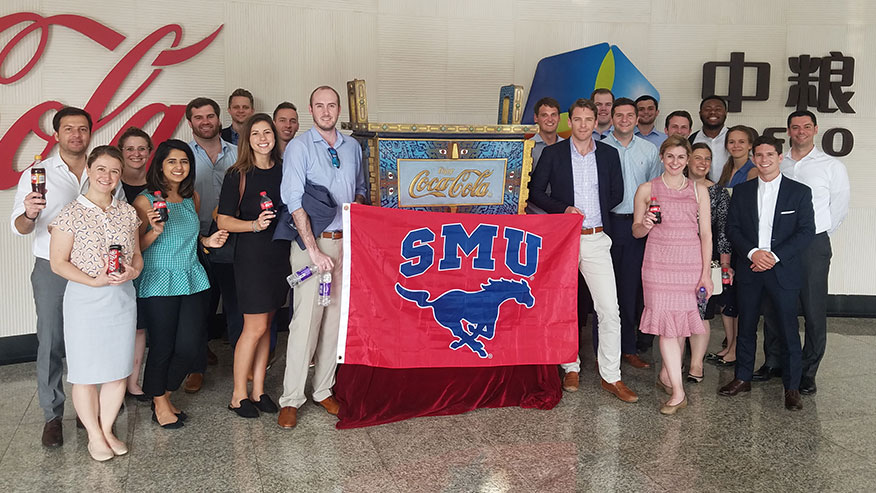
x: 725, y: 275
x: 160, y: 206
x: 114, y: 260
x: 38, y: 176
x: 265, y: 202
x: 655, y: 208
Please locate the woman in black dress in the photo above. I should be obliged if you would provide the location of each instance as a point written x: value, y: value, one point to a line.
x: 260, y: 264
x: 136, y: 146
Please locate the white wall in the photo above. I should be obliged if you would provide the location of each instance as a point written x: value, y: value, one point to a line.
x: 441, y: 61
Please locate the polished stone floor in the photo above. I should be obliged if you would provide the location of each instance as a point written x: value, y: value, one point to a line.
x: 590, y: 442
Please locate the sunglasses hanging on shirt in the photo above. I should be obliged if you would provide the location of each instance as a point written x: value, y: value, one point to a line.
x: 336, y: 162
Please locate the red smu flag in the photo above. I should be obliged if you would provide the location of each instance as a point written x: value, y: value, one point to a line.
x: 428, y: 289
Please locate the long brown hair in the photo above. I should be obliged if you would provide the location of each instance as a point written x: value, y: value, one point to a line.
x: 727, y: 171
x: 245, y: 156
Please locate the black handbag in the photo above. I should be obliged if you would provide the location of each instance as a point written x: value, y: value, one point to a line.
x: 225, y: 253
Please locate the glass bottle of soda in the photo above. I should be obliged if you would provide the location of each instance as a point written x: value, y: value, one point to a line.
x: 160, y: 206
x: 38, y: 176
x: 655, y: 208
x: 265, y: 202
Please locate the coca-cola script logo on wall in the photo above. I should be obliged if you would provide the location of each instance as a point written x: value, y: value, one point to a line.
x: 97, y: 105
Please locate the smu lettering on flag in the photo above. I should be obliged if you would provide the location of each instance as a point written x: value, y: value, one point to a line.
x: 428, y: 289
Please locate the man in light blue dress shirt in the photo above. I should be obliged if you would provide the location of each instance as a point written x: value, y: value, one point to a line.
x: 604, y: 100
x: 213, y: 157
x: 648, y: 111
x: 320, y: 156
x: 639, y: 163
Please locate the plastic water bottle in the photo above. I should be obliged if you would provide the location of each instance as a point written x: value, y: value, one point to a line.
x: 302, y: 275
x: 702, y: 301
x: 325, y: 289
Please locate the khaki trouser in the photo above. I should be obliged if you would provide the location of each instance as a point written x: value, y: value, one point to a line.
x: 313, y: 332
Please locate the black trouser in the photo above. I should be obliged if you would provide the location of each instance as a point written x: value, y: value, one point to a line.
x: 785, y: 303
x: 222, y: 284
x: 177, y: 328
x: 627, y: 254
x: 813, y: 298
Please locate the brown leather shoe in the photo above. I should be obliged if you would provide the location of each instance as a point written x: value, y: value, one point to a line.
x: 635, y: 361
x: 734, y: 387
x: 288, y: 417
x: 193, y: 383
x: 621, y: 391
x: 53, y: 435
x: 331, y: 405
x: 570, y: 381
x: 793, y: 402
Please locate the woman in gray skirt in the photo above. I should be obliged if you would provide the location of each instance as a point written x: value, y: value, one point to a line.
x: 100, y: 311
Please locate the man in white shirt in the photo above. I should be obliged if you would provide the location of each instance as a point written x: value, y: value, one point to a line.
x: 771, y: 222
x: 547, y: 117
x: 32, y: 213
x: 829, y: 181
x: 713, y: 114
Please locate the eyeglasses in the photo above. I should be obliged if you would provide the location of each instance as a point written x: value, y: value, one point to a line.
x: 136, y: 149
x: 336, y: 162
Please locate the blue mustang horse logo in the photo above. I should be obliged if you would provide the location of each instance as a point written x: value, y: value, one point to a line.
x: 477, y: 311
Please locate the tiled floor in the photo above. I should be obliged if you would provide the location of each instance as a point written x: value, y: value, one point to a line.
x: 590, y: 442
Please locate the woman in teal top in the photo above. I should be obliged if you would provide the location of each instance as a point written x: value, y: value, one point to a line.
x: 173, y: 284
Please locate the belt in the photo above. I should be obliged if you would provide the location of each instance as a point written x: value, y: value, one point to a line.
x: 622, y: 216
x: 590, y: 231
x: 333, y: 235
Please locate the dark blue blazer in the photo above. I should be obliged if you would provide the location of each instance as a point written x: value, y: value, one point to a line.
x: 793, y: 229
x: 555, y: 169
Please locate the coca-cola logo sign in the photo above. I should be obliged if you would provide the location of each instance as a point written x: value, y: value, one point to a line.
x: 98, y: 105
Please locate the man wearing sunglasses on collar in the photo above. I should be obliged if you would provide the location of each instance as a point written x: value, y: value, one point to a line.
x: 320, y: 156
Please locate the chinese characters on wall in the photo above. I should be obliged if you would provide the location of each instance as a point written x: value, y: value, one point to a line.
x: 819, y: 83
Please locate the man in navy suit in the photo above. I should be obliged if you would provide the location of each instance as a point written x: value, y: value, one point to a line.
x: 771, y: 222
x: 585, y: 178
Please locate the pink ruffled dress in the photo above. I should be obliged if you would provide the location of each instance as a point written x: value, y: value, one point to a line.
x: 672, y: 265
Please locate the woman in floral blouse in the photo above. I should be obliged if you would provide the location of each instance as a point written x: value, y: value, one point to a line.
x: 100, y: 311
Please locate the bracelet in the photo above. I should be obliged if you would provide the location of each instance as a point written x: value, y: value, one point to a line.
x: 254, y: 230
x: 31, y: 219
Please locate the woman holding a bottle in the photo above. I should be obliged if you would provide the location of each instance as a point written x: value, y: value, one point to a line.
x: 677, y: 262
x: 94, y: 246
x: 173, y: 285
x: 248, y: 203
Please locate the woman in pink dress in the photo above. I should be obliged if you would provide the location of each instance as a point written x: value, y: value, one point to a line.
x: 677, y: 261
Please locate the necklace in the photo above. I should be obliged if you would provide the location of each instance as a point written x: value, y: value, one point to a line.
x: 683, y: 182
